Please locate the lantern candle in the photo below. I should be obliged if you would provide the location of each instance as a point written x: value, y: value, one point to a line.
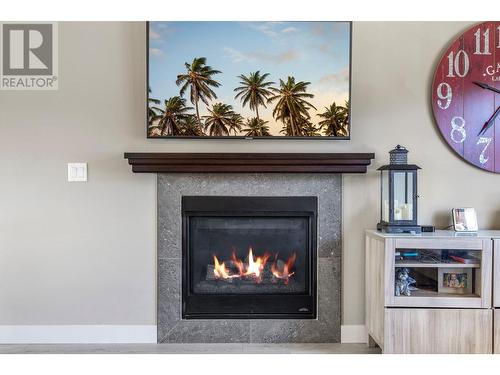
x: 398, y: 214
x: 407, y: 211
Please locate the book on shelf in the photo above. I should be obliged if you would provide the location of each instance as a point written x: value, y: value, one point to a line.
x: 409, y: 254
x: 465, y: 259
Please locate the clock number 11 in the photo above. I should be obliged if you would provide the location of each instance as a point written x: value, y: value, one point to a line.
x: 486, y: 36
x: 486, y: 42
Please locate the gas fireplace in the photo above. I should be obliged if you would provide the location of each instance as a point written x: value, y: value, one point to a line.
x: 249, y: 257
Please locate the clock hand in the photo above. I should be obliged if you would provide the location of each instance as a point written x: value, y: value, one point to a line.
x: 490, y: 122
x: 487, y: 87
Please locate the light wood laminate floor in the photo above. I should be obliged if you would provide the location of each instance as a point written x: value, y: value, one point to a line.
x: 188, y: 349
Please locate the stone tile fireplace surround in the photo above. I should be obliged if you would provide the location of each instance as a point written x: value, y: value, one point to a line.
x: 249, y: 175
x: 173, y: 329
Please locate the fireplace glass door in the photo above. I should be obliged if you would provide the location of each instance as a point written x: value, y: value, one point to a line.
x: 249, y: 257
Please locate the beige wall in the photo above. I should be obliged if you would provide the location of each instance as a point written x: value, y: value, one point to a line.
x: 85, y: 253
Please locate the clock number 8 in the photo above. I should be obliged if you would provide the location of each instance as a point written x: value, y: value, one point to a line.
x: 457, y: 126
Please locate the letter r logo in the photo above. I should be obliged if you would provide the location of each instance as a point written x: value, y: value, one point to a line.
x: 27, y: 49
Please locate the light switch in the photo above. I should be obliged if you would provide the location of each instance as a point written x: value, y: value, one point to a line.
x: 77, y: 172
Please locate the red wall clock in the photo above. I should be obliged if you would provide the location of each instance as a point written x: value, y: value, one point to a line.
x: 466, y: 96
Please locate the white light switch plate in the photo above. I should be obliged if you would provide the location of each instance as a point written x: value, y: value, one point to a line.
x: 77, y: 172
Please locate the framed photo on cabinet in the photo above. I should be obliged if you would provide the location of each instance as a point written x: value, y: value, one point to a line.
x: 455, y: 280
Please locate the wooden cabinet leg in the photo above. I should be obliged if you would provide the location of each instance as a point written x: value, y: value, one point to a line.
x: 371, y: 342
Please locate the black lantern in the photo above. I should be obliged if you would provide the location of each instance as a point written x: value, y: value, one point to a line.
x: 398, y: 194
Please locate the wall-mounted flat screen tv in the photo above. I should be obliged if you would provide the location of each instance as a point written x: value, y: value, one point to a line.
x: 262, y: 80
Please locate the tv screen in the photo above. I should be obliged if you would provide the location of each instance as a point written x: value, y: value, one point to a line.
x: 268, y: 80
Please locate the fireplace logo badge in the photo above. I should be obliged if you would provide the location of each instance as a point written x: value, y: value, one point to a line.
x: 28, y: 58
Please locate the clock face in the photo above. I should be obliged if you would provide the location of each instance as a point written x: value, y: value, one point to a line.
x: 466, y: 96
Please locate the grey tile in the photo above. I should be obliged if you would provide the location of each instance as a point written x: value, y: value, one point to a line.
x: 214, y: 331
x: 329, y: 280
x: 329, y: 296
x: 169, y: 219
x: 329, y: 225
x: 169, y: 296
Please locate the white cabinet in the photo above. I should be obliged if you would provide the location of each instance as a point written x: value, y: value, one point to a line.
x: 450, y: 309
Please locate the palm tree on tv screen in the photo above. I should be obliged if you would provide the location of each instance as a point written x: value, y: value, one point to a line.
x: 291, y: 107
x: 309, y: 129
x: 347, y: 110
x: 254, y: 91
x: 191, y: 127
x: 198, y: 78
x: 255, y: 127
x: 221, y: 120
x: 170, y: 118
x: 151, y: 111
x: 334, y: 120
x: 236, y: 123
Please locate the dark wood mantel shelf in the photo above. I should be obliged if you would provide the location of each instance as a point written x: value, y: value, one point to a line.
x: 160, y: 162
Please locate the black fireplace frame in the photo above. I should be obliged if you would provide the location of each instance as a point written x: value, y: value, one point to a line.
x: 254, y: 306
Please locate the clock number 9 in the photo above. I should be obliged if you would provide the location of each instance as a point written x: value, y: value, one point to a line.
x: 457, y: 126
x: 444, y: 96
x: 454, y: 64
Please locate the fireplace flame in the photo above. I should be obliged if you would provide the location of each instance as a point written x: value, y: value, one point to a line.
x: 220, y: 270
x: 237, y: 263
x: 254, y: 267
x: 286, y: 273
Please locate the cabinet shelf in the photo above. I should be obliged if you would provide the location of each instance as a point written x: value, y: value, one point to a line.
x: 430, y: 298
x: 417, y: 264
x: 433, y: 294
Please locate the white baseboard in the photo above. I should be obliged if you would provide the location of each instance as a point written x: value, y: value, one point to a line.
x: 112, y: 334
x: 78, y: 334
x: 353, y: 334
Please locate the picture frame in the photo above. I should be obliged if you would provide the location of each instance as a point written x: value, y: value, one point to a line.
x: 270, y: 127
x: 455, y: 280
x: 464, y: 219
